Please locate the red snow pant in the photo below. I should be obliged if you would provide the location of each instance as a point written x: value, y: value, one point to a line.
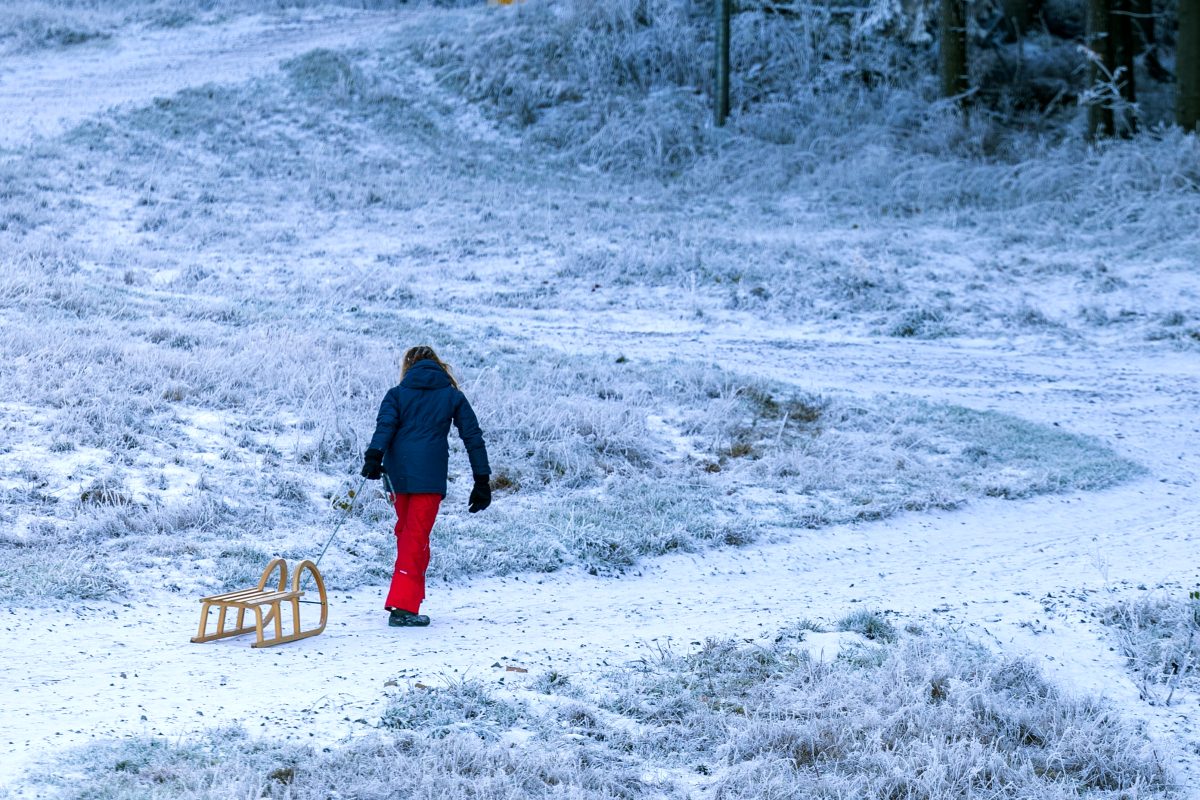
x: 415, y: 514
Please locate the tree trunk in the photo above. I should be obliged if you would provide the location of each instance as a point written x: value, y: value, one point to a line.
x: 1143, y: 23
x: 1017, y: 14
x: 952, y: 48
x: 1125, y: 47
x: 1187, y: 66
x: 724, y: 9
x: 1100, y: 42
x: 1146, y: 37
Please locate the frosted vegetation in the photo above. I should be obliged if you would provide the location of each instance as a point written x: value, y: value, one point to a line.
x: 176, y: 411
x: 1160, y: 637
x: 925, y: 715
x: 839, y: 106
x: 213, y: 432
x: 203, y: 299
x: 1072, y: 239
x: 29, y: 26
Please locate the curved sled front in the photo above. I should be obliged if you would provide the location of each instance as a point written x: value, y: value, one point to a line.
x: 298, y: 586
x: 266, y: 604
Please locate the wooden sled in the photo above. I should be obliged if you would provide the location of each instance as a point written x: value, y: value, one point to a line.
x: 266, y: 604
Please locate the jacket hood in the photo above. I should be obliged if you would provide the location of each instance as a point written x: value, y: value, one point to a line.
x: 425, y: 374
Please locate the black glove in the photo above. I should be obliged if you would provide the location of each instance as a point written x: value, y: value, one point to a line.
x: 481, y: 495
x: 372, y: 464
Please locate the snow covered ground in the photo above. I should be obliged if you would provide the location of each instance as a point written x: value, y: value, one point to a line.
x: 1021, y: 576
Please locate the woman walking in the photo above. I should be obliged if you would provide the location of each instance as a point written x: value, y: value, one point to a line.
x: 410, y: 446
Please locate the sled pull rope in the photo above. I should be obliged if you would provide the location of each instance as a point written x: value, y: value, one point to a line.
x: 336, y: 528
x: 342, y: 521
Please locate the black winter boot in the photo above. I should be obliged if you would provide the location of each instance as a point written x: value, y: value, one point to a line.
x: 406, y: 619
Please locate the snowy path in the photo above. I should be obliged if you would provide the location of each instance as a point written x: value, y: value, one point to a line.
x: 47, y: 92
x: 1011, y: 573
x: 1020, y: 576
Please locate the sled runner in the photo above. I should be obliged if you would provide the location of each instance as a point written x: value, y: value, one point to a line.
x: 266, y: 602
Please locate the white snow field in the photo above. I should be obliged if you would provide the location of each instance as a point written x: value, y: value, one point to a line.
x: 726, y: 401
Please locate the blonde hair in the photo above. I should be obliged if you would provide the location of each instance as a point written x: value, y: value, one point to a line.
x: 424, y: 352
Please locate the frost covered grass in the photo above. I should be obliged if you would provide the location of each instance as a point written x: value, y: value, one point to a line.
x: 197, y: 377
x: 917, y: 715
x: 836, y: 96
x: 212, y: 435
x: 1160, y: 637
x: 31, y: 25
x: 837, y: 109
x: 36, y: 26
x: 204, y: 295
x: 871, y: 625
x: 362, y: 144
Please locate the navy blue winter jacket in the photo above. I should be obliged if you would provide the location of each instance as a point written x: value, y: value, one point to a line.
x: 412, y: 426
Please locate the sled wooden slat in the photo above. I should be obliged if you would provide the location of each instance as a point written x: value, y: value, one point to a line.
x: 267, y: 606
x: 250, y: 600
x: 251, y: 595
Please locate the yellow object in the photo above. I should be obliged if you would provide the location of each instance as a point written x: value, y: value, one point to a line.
x: 255, y: 599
